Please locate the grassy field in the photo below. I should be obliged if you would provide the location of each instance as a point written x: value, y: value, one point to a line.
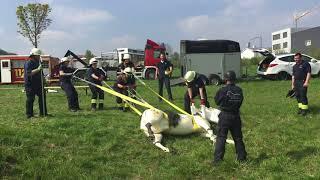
x: 108, y: 144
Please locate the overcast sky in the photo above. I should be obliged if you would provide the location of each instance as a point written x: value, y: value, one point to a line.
x: 102, y: 25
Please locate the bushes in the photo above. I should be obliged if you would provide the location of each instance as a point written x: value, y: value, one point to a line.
x: 252, y: 61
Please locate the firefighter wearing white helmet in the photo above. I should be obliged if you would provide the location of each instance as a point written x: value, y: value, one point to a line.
x: 65, y: 76
x: 125, y: 84
x: 96, y: 76
x: 196, y: 87
x: 33, y: 85
x: 125, y: 63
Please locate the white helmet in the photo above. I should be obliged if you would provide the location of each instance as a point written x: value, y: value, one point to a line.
x: 64, y: 59
x: 35, y: 52
x: 128, y: 70
x: 93, y: 60
x: 189, y: 76
x: 126, y: 56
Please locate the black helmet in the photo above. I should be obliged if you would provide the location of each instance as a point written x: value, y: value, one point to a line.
x: 230, y: 76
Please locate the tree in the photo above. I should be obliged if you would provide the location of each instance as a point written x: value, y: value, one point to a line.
x: 33, y: 20
x: 88, y: 55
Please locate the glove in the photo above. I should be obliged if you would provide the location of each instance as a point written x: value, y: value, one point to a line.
x: 193, y: 109
x: 39, y: 67
x: 202, y: 101
x: 291, y: 93
x: 192, y: 101
x: 203, y: 111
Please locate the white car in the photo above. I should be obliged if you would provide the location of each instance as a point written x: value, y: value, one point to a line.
x: 280, y: 66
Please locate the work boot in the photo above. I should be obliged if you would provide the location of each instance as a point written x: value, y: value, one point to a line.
x: 100, y: 106
x: 304, y: 112
x: 73, y: 110
x: 93, y: 107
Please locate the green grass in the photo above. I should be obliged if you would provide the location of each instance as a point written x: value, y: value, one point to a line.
x: 108, y: 144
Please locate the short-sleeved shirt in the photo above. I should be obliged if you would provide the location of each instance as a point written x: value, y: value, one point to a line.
x: 123, y: 65
x: 163, y: 66
x: 98, y: 72
x: 65, y: 69
x: 196, y: 84
x: 301, y: 70
x: 32, y: 81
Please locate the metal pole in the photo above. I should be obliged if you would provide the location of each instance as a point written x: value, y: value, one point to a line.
x: 42, y: 89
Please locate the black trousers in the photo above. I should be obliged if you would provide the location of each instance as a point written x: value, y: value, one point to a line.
x: 166, y: 82
x: 31, y: 93
x: 187, y: 100
x: 72, y: 95
x: 229, y: 122
x: 96, y: 92
x: 122, y: 91
x: 301, y: 94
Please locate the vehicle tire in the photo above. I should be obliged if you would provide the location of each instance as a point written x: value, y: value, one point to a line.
x: 283, y: 76
x: 215, y: 80
x: 150, y: 74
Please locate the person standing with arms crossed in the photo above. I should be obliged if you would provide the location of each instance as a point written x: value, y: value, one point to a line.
x: 165, y: 70
x: 301, y: 75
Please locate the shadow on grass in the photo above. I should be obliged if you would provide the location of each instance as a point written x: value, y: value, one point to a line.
x: 314, y: 109
x: 300, y: 154
x: 263, y: 156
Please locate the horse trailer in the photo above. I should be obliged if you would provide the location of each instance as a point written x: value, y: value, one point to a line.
x: 211, y: 58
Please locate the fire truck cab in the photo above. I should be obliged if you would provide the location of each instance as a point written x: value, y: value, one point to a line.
x: 145, y: 62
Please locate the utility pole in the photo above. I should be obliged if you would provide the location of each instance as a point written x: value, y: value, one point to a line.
x: 257, y: 37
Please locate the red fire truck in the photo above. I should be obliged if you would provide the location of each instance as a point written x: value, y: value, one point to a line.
x: 145, y: 61
x: 12, y: 68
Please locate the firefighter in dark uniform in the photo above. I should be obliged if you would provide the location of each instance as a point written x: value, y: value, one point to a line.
x: 125, y: 82
x: 96, y: 76
x: 196, y: 87
x: 300, y: 82
x: 125, y: 63
x: 33, y: 84
x: 229, y: 99
x: 65, y: 75
x: 165, y: 71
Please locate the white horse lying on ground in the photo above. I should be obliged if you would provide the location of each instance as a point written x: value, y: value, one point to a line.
x: 154, y: 123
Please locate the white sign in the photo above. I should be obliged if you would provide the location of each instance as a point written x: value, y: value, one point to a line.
x: 308, y: 43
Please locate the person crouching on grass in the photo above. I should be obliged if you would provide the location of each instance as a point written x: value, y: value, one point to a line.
x: 125, y: 82
x: 96, y: 76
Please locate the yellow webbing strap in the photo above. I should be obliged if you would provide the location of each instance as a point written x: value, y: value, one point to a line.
x: 171, y: 104
x: 125, y: 97
x: 130, y: 105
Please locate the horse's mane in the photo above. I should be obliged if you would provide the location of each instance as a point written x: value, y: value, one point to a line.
x: 173, y: 118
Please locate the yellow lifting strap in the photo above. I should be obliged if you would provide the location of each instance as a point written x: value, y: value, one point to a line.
x: 130, y: 105
x: 171, y: 104
x: 124, y: 97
